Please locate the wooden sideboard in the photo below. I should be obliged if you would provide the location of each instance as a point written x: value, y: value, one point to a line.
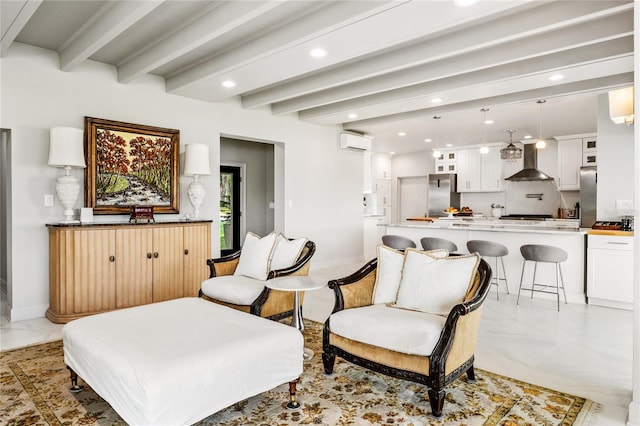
x: 101, y: 267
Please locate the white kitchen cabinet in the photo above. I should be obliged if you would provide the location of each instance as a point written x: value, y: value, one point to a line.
x: 447, y: 162
x: 569, y: 163
x: 380, y: 166
x: 610, y: 271
x: 480, y: 172
x: 372, y: 235
x: 383, y: 191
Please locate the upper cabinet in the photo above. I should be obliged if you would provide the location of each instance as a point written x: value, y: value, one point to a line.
x: 381, y: 166
x: 574, y: 151
x: 447, y: 162
x: 479, y: 172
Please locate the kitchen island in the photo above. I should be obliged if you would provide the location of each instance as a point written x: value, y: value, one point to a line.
x: 564, y: 234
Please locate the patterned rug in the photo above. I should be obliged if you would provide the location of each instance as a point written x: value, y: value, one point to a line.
x: 34, y: 390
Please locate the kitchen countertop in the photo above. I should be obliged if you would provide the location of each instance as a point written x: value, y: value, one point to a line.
x: 547, y: 226
x: 613, y: 232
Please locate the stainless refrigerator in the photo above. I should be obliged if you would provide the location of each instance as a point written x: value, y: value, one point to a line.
x: 442, y: 193
x: 588, y: 196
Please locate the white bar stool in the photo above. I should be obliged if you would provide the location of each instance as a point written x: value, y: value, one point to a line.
x: 549, y: 254
x: 496, y: 251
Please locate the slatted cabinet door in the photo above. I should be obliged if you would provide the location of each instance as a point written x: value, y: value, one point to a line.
x: 134, y: 277
x: 168, y: 263
x: 94, y: 272
x: 197, y: 249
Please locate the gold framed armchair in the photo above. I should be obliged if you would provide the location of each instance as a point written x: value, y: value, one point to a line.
x: 453, y: 336
x: 251, y: 295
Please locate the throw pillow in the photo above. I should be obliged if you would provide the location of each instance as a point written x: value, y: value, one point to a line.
x: 435, y: 285
x: 389, y: 272
x: 286, y: 252
x: 255, y: 256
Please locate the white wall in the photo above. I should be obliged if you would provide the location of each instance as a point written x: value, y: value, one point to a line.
x: 322, y: 185
x: 615, y: 163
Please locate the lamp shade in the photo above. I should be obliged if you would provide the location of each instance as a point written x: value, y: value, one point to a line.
x: 621, y: 106
x: 196, y: 161
x: 66, y: 147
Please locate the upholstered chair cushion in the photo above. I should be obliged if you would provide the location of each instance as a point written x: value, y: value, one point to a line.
x: 389, y: 273
x: 236, y: 289
x: 255, y: 257
x: 286, y: 252
x: 399, y: 330
x: 435, y: 285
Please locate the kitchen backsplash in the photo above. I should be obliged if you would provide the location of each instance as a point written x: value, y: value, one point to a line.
x: 515, y: 199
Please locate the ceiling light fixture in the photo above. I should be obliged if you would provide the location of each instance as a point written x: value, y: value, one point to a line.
x: 427, y: 140
x: 436, y: 151
x: 229, y: 83
x: 318, y: 52
x: 353, y: 115
x: 436, y: 100
x: 621, y: 106
x: 540, y: 144
x: 511, y: 152
x: 402, y: 134
x: 528, y: 136
x: 464, y: 3
x: 484, y: 149
x: 556, y: 77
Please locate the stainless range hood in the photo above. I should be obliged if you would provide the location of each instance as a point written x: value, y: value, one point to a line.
x: 530, y: 171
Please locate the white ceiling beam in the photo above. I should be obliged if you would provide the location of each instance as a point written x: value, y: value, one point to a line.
x: 500, y: 29
x: 567, y: 38
x: 591, y: 53
x: 222, y: 19
x: 584, y: 86
x: 325, y: 20
x: 111, y: 21
x: 19, y: 20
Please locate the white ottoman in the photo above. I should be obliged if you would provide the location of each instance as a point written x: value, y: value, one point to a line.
x: 179, y: 361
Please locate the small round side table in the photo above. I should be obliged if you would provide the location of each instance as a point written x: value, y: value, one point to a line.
x: 297, y: 283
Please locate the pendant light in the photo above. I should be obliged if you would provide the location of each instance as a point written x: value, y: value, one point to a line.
x: 436, y: 151
x: 484, y: 149
x: 540, y: 143
x: 511, y: 152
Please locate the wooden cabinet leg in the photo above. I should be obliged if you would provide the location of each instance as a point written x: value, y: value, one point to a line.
x: 293, y: 404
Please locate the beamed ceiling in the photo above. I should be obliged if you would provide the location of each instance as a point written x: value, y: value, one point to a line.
x: 385, y: 60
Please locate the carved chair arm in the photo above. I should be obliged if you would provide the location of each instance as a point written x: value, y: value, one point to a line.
x: 225, y: 265
x: 307, y: 252
x: 356, y: 289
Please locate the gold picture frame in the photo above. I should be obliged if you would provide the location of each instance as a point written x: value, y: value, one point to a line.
x: 130, y: 165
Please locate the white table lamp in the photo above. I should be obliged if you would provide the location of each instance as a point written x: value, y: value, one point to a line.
x: 196, y: 164
x: 66, y: 150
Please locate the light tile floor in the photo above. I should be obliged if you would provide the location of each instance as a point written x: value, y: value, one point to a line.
x: 583, y: 349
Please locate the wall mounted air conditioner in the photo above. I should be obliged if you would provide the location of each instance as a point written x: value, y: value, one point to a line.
x: 354, y: 141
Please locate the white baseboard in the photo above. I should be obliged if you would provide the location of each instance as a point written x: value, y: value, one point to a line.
x: 27, y: 313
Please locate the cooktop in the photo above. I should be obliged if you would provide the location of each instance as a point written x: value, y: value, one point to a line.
x: 527, y: 216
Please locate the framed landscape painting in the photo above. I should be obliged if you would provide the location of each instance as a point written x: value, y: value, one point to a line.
x: 130, y: 165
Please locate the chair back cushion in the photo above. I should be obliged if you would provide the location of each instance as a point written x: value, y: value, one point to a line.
x: 435, y: 285
x: 255, y: 257
x: 389, y: 272
x: 236, y: 289
x: 286, y: 252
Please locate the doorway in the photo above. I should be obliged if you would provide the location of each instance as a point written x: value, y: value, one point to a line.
x: 230, y: 208
x: 412, y: 197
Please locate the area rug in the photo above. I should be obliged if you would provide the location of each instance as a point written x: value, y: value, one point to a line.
x: 34, y: 390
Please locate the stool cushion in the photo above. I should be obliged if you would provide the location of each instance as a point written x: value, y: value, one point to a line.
x: 236, y: 289
x: 435, y: 285
x: 255, y: 257
x: 176, y: 362
x: 399, y: 330
x: 286, y: 252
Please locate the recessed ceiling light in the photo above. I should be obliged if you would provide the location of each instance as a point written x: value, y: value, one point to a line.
x: 556, y: 77
x: 392, y: 153
x: 229, y: 83
x: 436, y: 100
x: 484, y: 149
x: 402, y: 134
x: 464, y: 3
x: 428, y: 140
x: 488, y: 122
x: 527, y: 136
x: 449, y: 144
x: 352, y: 115
x: 318, y: 52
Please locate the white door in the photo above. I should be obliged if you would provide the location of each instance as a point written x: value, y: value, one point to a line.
x: 412, y: 197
